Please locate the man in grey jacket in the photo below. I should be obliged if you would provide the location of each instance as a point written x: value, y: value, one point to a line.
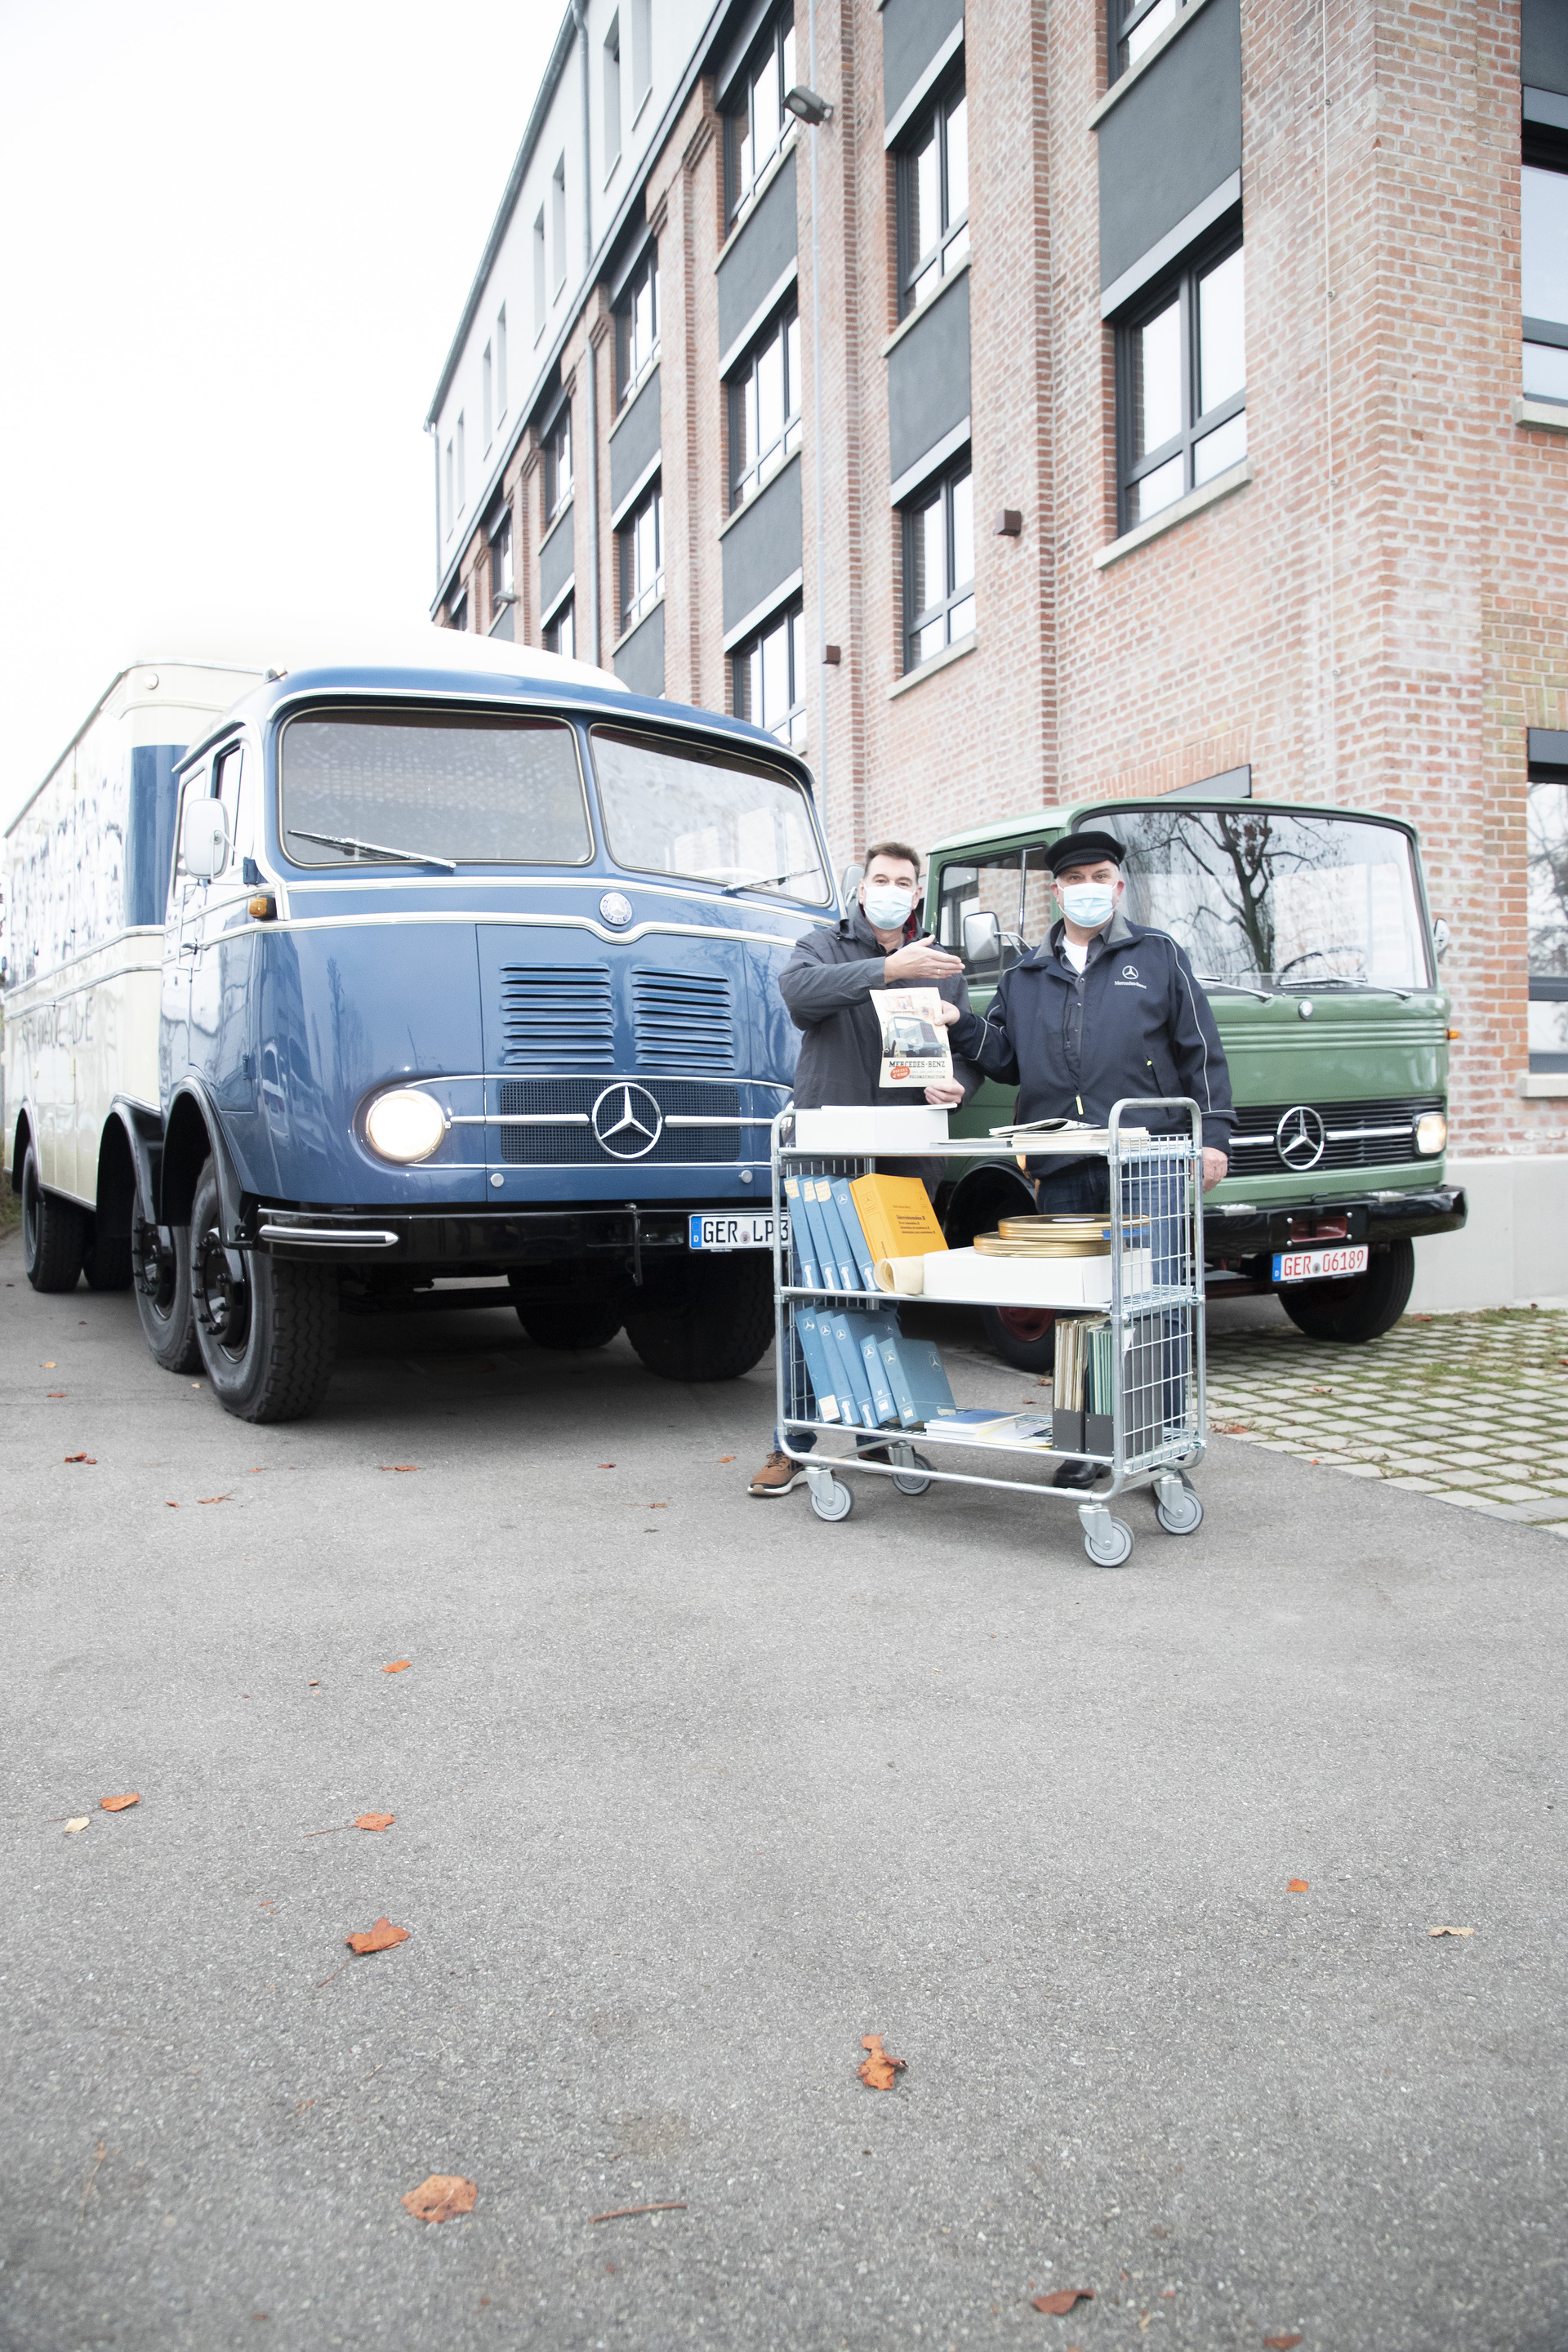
x: 826, y: 985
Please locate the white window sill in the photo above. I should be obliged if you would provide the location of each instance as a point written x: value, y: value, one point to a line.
x: 629, y: 632
x: 1549, y: 413
x: 1235, y: 478
x: 955, y: 652
x: 1543, y: 1086
x: 918, y: 313
x: 1156, y: 48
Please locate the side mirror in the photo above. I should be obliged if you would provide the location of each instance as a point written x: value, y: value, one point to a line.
x: 982, y: 937
x: 1441, y: 937
x: 204, y: 841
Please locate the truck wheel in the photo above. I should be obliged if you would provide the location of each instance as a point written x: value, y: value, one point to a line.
x: 106, y: 1264
x: 565, y: 1328
x: 1024, y: 1336
x: 53, y: 1232
x: 1362, y: 1309
x: 268, y: 1342
x: 722, y: 1329
x: 161, y: 1257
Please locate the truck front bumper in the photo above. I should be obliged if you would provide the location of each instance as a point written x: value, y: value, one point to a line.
x: 474, y: 1241
x: 1244, y: 1239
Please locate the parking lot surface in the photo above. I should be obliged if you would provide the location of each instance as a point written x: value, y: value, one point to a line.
x: 690, y: 1794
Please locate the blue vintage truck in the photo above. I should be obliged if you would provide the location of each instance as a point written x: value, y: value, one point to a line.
x: 458, y: 974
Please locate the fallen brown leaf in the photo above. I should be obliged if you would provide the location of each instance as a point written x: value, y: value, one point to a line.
x: 1300, y: 1886
x: 879, y: 2070
x: 77, y: 1824
x: 170, y: 1506
x: 624, y: 2212
x: 120, y: 1804
x: 399, y: 1468
x: 1450, y: 1931
x: 726, y: 1457
x: 607, y: 1466
x: 90, y: 1459
x: 1282, y: 2342
x: 440, y: 2198
x: 373, y: 1820
x: 215, y: 1498
x: 49, y: 1366
x: 1058, y: 2305
x: 56, y: 1396
x: 379, y: 1939
x: 398, y: 1667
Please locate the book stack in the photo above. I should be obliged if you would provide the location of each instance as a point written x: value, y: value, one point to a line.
x: 865, y: 1373
x: 841, y: 1227
x: 1081, y: 1394
x: 985, y: 1425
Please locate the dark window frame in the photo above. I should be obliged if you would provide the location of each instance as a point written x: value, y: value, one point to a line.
x: 793, y: 721
x: 457, y: 612
x: 629, y: 380
x: 555, y: 497
x: 1542, y: 149
x: 503, y: 567
x: 937, y: 111
x: 565, y: 611
x: 778, y: 36
x: 1122, y: 19
x: 763, y: 468
x: 626, y: 594
x: 1182, y: 283
x: 1546, y: 987
x: 942, y: 485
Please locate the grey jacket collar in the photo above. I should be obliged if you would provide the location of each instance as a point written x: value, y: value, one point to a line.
x: 1112, y: 936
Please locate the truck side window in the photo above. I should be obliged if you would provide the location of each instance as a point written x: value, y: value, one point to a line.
x: 996, y: 885
x: 232, y: 791
x: 193, y: 788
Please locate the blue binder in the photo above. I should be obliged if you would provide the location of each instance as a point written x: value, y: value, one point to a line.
x: 854, y: 1231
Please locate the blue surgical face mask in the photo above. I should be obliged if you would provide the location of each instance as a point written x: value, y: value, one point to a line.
x: 1088, y: 904
x: 888, y: 909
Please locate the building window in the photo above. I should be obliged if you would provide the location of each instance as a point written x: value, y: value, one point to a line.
x: 558, y: 463
x: 1546, y: 905
x: 642, y: 52
x: 458, y: 610
x: 754, y: 130
x: 641, y: 542
x: 1134, y: 26
x: 1543, y: 265
x: 934, y: 198
x: 764, y: 409
x: 939, y: 567
x: 500, y: 363
x: 488, y: 387
x: 768, y: 676
x: 558, y: 221
x: 561, y: 631
x: 1182, y: 386
x: 613, y: 95
x: 541, y: 300
x: 451, y: 488
x: 462, y: 463
x: 637, y: 327
x: 503, y: 593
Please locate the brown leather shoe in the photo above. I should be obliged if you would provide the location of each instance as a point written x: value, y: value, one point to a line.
x: 778, y: 1476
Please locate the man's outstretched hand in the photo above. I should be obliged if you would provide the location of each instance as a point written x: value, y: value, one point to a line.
x: 921, y: 960
x: 947, y: 1093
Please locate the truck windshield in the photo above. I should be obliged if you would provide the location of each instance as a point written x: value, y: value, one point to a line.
x: 714, y: 815
x: 1259, y: 894
x: 448, y: 788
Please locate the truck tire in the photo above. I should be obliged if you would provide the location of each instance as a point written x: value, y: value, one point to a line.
x: 592, y: 1325
x: 163, y: 1275
x: 1360, y: 1308
x: 53, y: 1232
x: 106, y: 1264
x: 1024, y: 1336
x: 722, y: 1329
x: 267, y: 1343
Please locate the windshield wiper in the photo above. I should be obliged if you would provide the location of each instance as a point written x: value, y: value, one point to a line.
x: 1376, y: 987
x: 371, y: 848
x: 767, y: 881
x: 1239, y: 987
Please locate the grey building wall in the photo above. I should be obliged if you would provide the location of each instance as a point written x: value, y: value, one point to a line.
x: 634, y: 444
x: 758, y: 258
x: 912, y: 32
x: 762, y: 548
x: 928, y: 377
x: 556, y: 560
x: 639, y: 662
x: 1173, y: 137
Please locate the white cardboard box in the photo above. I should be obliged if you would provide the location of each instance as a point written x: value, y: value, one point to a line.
x: 890, y: 1129
x: 1031, y: 1281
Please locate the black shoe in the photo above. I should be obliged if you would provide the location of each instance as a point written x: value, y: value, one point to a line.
x: 1078, y: 1473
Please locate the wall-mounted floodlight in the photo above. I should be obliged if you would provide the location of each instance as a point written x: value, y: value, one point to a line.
x: 805, y: 105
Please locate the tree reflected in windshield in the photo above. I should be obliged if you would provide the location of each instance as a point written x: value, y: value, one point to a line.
x: 1254, y: 893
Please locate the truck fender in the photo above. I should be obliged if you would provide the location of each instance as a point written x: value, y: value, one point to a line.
x: 195, y: 1132
x: 143, y: 1133
x: 981, y: 1196
x: 25, y: 1128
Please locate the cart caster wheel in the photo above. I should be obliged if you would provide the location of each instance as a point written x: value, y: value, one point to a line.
x: 1107, y: 1541
x: 1178, y: 1505
x: 907, y: 1478
x: 830, y: 1498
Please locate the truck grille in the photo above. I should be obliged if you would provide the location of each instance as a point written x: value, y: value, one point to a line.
x: 683, y: 1021
x: 576, y: 1146
x: 1378, y: 1134
x: 555, y: 1014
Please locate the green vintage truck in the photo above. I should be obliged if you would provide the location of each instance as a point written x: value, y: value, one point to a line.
x: 1309, y: 929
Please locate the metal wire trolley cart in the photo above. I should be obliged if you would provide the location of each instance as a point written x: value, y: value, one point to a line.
x: 855, y: 1390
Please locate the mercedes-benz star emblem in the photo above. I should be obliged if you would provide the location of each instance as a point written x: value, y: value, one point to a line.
x: 1299, y: 1138
x: 616, y: 908
x: 627, y: 1121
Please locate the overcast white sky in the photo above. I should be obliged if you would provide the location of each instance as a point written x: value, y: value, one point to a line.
x: 236, y: 243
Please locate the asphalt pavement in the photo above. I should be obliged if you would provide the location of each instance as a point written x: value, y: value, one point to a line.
x: 692, y: 1794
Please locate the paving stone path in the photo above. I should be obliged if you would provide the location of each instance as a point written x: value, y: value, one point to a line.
x: 1470, y: 1408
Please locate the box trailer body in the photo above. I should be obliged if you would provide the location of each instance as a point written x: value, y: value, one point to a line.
x: 459, y: 974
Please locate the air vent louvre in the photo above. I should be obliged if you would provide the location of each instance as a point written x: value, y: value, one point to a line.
x: 551, y: 1015
x: 685, y: 1020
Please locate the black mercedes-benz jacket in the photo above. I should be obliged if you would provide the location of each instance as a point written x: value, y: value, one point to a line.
x: 1135, y: 1022
x: 826, y: 985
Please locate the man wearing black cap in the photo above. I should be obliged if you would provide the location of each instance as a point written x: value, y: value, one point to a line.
x: 1103, y: 1011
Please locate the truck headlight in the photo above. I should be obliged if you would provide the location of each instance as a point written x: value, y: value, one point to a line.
x: 405, y: 1125
x: 1431, y: 1133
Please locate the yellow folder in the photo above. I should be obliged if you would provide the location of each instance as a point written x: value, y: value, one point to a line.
x: 896, y: 1215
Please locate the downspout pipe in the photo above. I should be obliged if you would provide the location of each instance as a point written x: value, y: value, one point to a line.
x: 818, y: 465
x: 591, y: 357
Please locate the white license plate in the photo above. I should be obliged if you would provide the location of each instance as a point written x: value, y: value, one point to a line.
x: 1320, y: 1264
x: 720, y: 1232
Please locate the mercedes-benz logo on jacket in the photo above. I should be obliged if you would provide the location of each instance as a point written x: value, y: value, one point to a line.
x: 627, y: 1121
